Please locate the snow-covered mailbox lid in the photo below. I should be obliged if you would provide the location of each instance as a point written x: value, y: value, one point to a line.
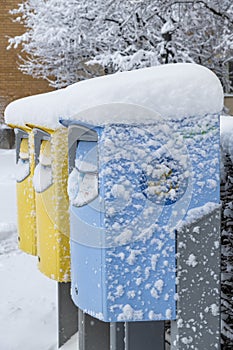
x: 144, y: 158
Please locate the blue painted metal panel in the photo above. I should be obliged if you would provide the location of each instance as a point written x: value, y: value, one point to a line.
x: 123, y: 243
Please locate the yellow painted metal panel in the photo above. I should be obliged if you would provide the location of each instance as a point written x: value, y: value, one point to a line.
x: 52, y: 207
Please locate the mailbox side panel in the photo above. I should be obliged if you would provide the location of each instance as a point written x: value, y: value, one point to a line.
x: 26, y: 217
x: 52, y: 210
x: 201, y: 137
x: 47, y: 249
x: 88, y: 261
x: 86, y: 278
x: 140, y: 251
x: 61, y: 203
x: 140, y: 231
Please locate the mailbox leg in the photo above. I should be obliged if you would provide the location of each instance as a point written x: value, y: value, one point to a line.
x: 145, y: 335
x: 117, y: 336
x: 93, y: 333
x: 67, y: 314
x: 198, y: 271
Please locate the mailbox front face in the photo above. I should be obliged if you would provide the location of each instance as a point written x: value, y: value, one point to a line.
x: 86, y: 220
x: 25, y: 191
x: 50, y: 177
x: 123, y: 245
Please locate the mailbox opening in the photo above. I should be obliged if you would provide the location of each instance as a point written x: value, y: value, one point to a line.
x: 43, y: 178
x: 83, y: 180
x: 23, y: 163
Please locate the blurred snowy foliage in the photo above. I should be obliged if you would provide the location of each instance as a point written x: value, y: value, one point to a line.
x: 227, y: 234
x: 64, y: 40
x: 227, y: 255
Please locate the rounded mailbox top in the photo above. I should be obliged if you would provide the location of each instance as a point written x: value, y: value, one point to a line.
x: 140, y: 96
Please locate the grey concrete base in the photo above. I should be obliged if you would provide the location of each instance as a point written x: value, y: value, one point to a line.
x: 67, y: 314
x: 198, y: 269
x: 7, y: 138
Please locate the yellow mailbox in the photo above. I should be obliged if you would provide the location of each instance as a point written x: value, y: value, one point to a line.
x: 25, y: 191
x: 52, y: 204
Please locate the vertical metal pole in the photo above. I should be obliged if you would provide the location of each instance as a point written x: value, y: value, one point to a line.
x: 93, y: 333
x: 117, y: 336
x: 198, y: 272
x: 81, y: 330
x: 145, y: 335
x: 67, y: 314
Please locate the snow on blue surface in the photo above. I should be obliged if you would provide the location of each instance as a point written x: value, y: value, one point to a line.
x: 151, y: 177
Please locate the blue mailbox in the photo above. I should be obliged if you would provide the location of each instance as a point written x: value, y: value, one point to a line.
x: 130, y: 187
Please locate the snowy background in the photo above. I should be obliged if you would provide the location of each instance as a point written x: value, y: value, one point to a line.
x: 28, y: 300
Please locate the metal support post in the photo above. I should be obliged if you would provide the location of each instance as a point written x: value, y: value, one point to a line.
x: 117, y: 336
x: 67, y: 314
x: 93, y: 333
x: 145, y: 335
x: 198, y: 273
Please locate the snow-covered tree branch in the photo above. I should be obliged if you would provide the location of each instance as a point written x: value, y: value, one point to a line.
x: 63, y: 40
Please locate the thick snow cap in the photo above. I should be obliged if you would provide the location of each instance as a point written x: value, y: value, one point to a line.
x: 140, y: 96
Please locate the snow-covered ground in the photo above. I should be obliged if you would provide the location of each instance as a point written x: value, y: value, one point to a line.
x: 28, y: 315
